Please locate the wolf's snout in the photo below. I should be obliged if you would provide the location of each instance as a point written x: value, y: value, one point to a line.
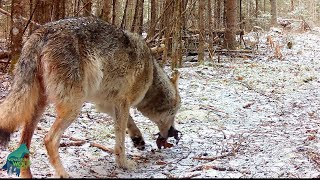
x: 162, y: 141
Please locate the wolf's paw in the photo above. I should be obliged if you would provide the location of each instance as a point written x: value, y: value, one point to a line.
x: 127, y: 164
x: 62, y: 175
x: 138, y: 142
x: 25, y: 173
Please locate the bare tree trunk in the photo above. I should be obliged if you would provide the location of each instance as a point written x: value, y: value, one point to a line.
x: 257, y: 9
x: 62, y: 9
x: 58, y: 10
x: 202, y: 34
x: 153, y: 20
x: 130, y: 14
x: 176, y: 47
x: 167, y: 31
x: 116, y: 12
x: 217, y: 14
x: 106, y: 10
x: 123, y: 22
x: 273, y: 12
x: 141, y: 8
x: 183, y: 18
x: 230, y: 33
x: 43, y: 11
x: 210, y: 29
x: 138, y: 18
x: 87, y: 7
x: 16, y: 31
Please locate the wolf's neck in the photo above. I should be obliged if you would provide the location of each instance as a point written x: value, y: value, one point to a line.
x: 161, y: 95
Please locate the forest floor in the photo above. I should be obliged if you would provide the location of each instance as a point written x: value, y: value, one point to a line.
x: 250, y: 117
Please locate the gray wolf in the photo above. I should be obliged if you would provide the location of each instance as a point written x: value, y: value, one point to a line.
x: 77, y: 60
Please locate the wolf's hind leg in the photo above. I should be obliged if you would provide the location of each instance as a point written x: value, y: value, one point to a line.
x: 135, y: 134
x: 27, y: 133
x: 66, y: 114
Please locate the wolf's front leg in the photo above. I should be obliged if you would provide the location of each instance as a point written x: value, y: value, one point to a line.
x: 135, y: 134
x: 120, y: 125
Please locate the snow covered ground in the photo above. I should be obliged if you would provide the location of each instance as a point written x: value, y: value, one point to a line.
x: 251, y: 117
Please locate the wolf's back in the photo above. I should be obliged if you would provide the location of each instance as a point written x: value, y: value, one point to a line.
x: 19, y: 107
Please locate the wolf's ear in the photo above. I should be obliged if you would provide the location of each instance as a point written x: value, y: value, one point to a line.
x: 175, y: 77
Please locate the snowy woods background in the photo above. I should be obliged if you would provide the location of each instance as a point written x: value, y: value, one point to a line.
x: 250, y: 87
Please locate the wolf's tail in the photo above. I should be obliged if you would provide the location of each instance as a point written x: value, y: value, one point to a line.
x: 21, y: 105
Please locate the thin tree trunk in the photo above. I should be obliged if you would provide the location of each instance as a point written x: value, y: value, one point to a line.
x: 183, y: 18
x: 202, y: 34
x: 114, y: 11
x: 58, y: 10
x: 167, y: 31
x: 153, y: 19
x: 273, y: 12
x: 87, y: 7
x: 257, y: 9
x: 106, y: 10
x: 176, y: 47
x: 135, y: 17
x: 43, y: 11
x: 230, y: 33
x: 217, y: 14
x: 16, y: 31
x: 138, y: 18
x: 123, y: 22
x: 210, y: 29
x: 130, y: 14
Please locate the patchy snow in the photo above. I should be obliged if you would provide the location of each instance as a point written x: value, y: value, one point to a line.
x: 240, y: 118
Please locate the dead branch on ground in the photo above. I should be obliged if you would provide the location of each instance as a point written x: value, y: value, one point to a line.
x: 80, y: 142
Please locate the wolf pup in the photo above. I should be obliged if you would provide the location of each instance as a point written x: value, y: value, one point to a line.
x: 71, y: 61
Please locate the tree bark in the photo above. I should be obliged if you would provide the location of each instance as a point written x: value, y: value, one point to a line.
x: 43, y: 11
x: 176, y: 45
x: 16, y: 31
x: 257, y: 9
x: 130, y: 14
x: 87, y: 7
x: 138, y: 18
x: 273, y: 4
x: 202, y: 34
x: 217, y: 14
x: 230, y: 34
x: 106, y: 10
x: 153, y: 19
x: 123, y: 22
x: 58, y: 10
x: 116, y: 13
x: 210, y: 29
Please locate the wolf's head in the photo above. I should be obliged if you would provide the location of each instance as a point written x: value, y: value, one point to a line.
x: 166, y: 119
x: 162, y: 101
